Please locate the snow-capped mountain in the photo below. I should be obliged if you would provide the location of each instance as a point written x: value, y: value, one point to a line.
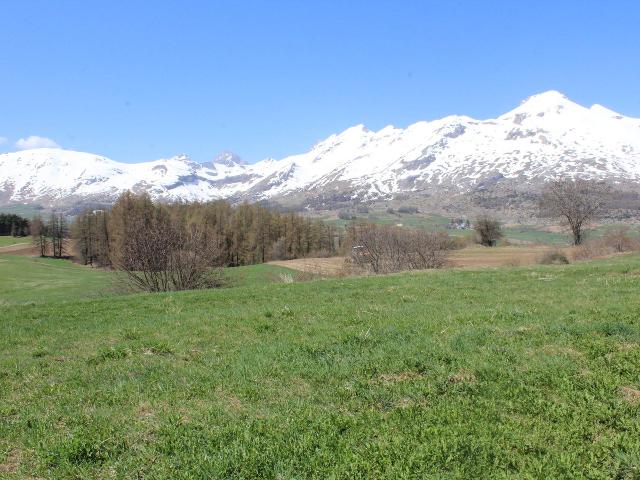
x: 545, y: 137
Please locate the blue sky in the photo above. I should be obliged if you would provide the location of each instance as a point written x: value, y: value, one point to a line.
x: 136, y: 80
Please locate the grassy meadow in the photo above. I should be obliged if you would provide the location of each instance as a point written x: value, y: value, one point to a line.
x: 521, y: 372
x: 7, y: 241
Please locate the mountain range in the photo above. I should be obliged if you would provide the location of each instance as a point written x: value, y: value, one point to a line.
x: 545, y: 137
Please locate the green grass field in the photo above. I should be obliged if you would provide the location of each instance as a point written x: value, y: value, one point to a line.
x: 500, y: 373
x: 27, y: 280
x: 6, y: 240
x: 523, y: 233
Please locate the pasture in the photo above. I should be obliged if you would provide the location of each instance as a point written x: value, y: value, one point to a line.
x: 462, y: 373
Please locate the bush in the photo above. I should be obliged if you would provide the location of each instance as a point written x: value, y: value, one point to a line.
x: 553, y: 257
x: 488, y: 231
x: 344, y: 215
x: 408, y: 210
x: 386, y: 249
x: 619, y: 240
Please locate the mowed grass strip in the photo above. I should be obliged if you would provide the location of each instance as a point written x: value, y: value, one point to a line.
x: 516, y: 372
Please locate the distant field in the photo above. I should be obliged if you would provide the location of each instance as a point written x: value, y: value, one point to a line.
x: 528, y: 372
x: 519, y: 233
x: 6, y: 241
x: 474, y: 256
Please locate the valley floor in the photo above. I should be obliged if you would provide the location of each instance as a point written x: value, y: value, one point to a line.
x: 511, y: 372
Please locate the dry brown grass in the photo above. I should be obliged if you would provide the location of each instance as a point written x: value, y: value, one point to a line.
x: 479, y: 256
x: 11, y: 463
x: 330, y: 267
x: 399, y: 377
x: 630, y: 395
x: 475, y: 256
x: 463, y: 376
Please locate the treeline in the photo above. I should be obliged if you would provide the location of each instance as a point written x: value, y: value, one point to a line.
x: 13, y: 225
x: 138, y: 235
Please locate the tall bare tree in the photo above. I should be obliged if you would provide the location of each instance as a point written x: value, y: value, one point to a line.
x: 39, y: 235
x: 57, y: 230
x: 576, y: 202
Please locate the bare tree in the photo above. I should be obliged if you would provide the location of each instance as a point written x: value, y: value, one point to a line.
x: 384, y: 249
x: 57, y: 230
x: 39, y: 234
x: 159, y: 254
x: 488, y: 230
x: 576, y: 202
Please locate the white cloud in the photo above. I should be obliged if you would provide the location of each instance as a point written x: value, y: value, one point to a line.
x: 3, y: 140
x: 34, y: 141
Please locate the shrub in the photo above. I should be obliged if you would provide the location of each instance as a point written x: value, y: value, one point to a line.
x: 594, y: 248
x: 619, y: 240
x: 488, y: 231
x: 385, y: 249
x: 344, y: 215
x: 553, y: 257
x: 408, y: 210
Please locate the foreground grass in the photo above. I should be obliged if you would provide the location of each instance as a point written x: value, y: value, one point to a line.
x: 527, y: 372
x: 28, y: 280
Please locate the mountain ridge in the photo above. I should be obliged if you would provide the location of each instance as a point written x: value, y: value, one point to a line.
x: 544, y: 137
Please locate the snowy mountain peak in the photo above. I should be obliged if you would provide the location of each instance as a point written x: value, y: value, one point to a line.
x: 228, y: 159
x: 546, y: 136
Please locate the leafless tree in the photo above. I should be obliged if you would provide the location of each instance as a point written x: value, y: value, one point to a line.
x: 58, y: 232
x: 488, y: 230
x: 161, y: 254
x: 576, y: 202
x: 39, y: 235
x: 384, y: 249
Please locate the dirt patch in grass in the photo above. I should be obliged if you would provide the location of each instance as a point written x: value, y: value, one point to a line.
x: 11, y: 463
x: 630, y: 395
x: 474, y: 256
x: 399, y: 377
x: 463, y: 376
x: 332, y: 266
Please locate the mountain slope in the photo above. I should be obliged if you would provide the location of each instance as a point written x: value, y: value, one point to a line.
x: 546, y: 136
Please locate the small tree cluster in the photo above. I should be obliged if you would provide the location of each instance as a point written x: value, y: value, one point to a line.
x: 13, y: 225
x: 58, y: 232
x: 384, y: 248
x: 50, y: 236
x: 488, y: 231
x: 91, y: 233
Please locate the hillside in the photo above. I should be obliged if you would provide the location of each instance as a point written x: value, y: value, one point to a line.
x: 516, y: 372
x: 439, y: 161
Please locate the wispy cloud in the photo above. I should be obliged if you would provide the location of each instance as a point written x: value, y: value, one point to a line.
x: 34, y: 141
x: 4, y: 140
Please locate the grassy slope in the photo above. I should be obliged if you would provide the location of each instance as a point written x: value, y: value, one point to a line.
x: 39, y: 280
x: 6, y: 240
x: 457, y: 374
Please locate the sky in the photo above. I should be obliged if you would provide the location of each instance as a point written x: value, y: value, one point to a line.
x: 137, y: 80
